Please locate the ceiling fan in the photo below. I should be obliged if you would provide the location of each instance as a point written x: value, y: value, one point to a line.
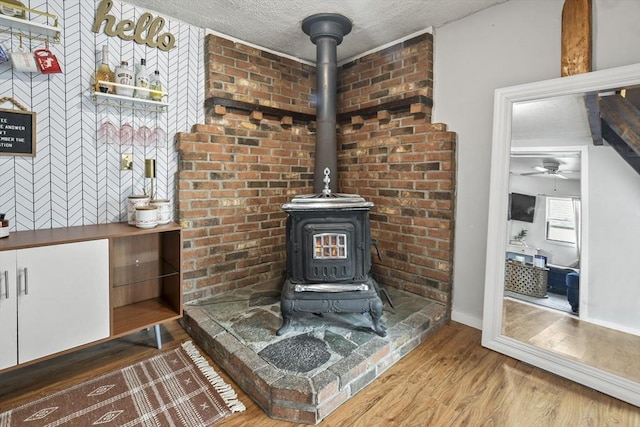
x: 549, y: 167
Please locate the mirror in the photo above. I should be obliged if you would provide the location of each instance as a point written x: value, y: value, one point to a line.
x: 585, y: 223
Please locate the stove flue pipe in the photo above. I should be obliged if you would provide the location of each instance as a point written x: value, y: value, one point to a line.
x: 326, y: 31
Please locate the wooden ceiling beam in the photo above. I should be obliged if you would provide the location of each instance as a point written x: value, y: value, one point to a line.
x: 576, y: 37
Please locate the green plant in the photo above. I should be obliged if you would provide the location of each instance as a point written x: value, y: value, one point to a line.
x: 521, y: 235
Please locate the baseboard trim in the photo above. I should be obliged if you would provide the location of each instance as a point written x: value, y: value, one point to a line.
x: 465, y: 319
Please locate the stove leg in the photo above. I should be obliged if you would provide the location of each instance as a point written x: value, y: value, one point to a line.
x: 286, y: 308
x: 376, y: 316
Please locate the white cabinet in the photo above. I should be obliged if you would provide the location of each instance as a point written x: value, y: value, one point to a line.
x: 69, y: 287
x: 516, y: 252
x: 524, y: 250
x: 62, y: 297
x: 8, y: 310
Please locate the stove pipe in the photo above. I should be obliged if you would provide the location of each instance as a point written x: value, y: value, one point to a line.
x: 326, y: 31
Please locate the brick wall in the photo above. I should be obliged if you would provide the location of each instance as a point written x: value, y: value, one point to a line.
x: 403, y: 163
x: 397, y: 72
x: 236, y: 171
x: 240, y: 167
x: 243, y: 73
x: 406, y: 167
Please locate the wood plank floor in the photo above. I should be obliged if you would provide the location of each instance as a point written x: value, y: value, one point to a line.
x: 604, y: 348
x: 450, y: 380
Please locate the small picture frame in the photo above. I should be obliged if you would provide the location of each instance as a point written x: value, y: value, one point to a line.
x: 17, y: 133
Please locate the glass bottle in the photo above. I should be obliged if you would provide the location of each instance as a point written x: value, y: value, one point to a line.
x: 104, y: 73
x: 142, y: 80
x: 156, y: 86
x: 124, y: 76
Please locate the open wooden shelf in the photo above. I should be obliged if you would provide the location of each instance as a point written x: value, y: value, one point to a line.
x: 143, y: 314
x: 131, y: 274
x: 146, y: 281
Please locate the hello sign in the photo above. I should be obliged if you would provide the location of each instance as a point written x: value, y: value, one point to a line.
x: 145, y: 31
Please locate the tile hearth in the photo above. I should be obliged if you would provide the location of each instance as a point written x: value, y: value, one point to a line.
x: 324, y: 360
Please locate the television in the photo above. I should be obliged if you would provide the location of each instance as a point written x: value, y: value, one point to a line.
x: 521, y: 207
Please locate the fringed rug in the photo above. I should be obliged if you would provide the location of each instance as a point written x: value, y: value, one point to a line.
x: 176, y: 388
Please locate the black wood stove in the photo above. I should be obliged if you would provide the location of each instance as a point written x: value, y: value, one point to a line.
x: 329, y: 258
x: 328, y: 234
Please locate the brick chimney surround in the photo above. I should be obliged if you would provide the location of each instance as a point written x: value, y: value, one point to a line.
x: 255, y: 153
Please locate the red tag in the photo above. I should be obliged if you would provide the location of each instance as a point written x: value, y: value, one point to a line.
x: 47, y: 61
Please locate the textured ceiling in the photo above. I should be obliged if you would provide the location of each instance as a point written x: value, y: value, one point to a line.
x: 276, y: 24
x: 551, y: 119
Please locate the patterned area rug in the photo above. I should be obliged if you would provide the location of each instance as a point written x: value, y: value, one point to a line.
x: 176, y: 388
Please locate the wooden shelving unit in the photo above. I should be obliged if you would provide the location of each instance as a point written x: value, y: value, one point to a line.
x: 144, y: 269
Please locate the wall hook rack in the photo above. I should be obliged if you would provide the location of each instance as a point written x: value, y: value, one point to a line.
x: 31, y: 27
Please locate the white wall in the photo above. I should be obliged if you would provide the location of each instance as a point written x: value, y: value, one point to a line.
x: 614, y: 241
x: 558, y: 254
x: 508, y: 44
x: 75, y: 177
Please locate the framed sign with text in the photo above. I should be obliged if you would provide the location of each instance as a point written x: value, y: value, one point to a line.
x: 17, y: 133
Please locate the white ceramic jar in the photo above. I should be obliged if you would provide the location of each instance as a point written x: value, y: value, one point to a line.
x: 134, y: 202
x: 164, y: 210
x: 146, y: 216
x: 4, y: 227
x: 124, y: 76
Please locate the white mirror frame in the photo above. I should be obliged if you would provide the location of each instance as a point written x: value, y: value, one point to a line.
x: 492, y: 337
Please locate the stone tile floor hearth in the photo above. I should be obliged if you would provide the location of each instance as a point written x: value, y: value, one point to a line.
x: 325, y: 359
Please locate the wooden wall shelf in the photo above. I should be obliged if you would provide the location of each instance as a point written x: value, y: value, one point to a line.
x: 418, y: 104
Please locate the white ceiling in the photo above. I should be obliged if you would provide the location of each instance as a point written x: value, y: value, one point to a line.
x: 276, y: 24
x: 552, y: 119
x: 569, y: 164
x: 558, y: 117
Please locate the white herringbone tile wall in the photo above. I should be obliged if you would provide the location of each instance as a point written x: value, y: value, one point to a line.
x: 75, y: 177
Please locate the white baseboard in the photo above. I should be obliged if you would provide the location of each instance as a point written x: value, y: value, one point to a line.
x: 465, y: 319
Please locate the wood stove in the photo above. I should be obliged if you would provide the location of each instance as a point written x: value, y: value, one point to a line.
x: 328, y: 234
x: 329, y: 258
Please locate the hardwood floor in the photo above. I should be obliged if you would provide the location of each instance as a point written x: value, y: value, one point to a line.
x: 450, y: 380
x: 604, y: 348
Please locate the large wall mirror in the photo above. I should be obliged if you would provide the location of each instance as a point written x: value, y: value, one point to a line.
x: 562, y: 284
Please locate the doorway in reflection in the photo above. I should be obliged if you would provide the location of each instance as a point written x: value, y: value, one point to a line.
x: 544, y: 227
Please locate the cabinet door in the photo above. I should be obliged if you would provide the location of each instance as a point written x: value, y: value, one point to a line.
x: 8, y: 310
x: 63, y: 297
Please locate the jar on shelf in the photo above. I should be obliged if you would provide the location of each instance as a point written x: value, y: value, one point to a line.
x: 164, y: 210
x: 4, y: 226
x: 15, y: 12
x: 146, y: 216
x: 124, y: 76
x: 135, y: 201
